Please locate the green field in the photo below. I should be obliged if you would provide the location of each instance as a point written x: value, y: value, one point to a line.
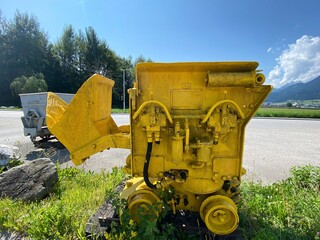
x: 288, y: 112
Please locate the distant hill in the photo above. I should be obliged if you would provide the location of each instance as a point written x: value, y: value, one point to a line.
x: 285, y: 86
x: 297, y: 91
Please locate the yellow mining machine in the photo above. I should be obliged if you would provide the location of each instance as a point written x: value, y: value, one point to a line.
x: 186, y: 133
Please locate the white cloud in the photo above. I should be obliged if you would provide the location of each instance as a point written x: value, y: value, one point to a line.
x: 299, y: 62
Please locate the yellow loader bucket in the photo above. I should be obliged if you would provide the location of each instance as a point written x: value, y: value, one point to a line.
x: 85, y: 126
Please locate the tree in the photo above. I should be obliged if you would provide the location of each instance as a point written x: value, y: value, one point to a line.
x: 66, y: 64
x: 4, y: 81
x: 139, y: 59
x: 66, y: 51
x: 3, y: 24
x: 98, y: 57
x: 121, y: 71
x: 129, y: 68
x: 94, y: 52
x: 53, y: 72
x: 23, y: 84
x: 23, y: 52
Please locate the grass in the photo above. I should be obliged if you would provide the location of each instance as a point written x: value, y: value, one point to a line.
x: 11, y: 108
x: 120, y: 110
x: 289, y: 209
x: 12, y: 163
x: 288, y: 112
x: 62, y: 215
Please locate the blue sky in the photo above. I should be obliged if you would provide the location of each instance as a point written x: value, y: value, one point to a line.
x: 282, y: 35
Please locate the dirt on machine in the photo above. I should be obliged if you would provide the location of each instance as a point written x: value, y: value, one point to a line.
x: 186, y: 134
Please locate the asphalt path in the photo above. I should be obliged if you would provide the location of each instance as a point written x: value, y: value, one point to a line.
x: 272, y: 146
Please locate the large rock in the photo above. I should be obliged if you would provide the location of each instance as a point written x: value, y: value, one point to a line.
x: 4, y: 235
x: 29, y: 182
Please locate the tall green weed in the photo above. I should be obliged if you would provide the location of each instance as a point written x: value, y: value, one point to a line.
x: 289, y: 209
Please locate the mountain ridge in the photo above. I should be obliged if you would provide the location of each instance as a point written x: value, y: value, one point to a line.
x: 298, y: 91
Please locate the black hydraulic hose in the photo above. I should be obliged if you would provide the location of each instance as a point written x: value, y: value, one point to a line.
x: 146, y: 167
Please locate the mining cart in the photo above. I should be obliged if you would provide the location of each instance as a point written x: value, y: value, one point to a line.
x: 186, y: 134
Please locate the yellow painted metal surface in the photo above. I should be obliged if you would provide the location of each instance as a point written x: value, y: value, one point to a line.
x: 187, y: 133
x: 220, y: 214
x: 194, y: 115
x: 147, y: 201
x: 85, y: 126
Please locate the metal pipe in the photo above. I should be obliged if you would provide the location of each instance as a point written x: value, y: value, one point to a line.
x: 146, y: 167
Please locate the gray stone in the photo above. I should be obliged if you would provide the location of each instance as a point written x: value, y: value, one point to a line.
x: 7, y: 152
x: 31, y: 181
x: 4, y: 235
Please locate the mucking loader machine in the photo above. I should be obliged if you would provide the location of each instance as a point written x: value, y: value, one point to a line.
x: 186, y: 133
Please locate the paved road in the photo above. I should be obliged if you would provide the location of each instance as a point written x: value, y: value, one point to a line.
x: 11, y: 131
x: 272, y: 146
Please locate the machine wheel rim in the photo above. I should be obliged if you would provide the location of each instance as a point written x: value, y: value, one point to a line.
x: 219, y: 214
